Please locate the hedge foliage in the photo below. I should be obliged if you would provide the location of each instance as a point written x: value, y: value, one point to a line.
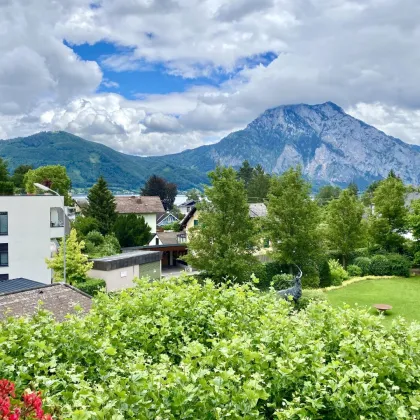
x: 177, y: 350
x: 91, y: 286
x: 354, y: 270
x: 338, y: 273
x: 384, y: 265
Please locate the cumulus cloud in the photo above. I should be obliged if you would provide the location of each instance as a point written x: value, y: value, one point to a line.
x: 361, y: 54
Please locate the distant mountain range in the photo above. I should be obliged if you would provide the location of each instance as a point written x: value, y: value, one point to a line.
x: 330, y: 145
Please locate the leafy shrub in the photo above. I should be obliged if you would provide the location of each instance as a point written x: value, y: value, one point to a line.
x: 91, y: 286
x: 282, y: 281
x: 310, y: 278
x: 265, y: 273
x: 95, y: 237
x: 380, y: 265
x: 85, y: 225
x: 324, y: 274
x: 309, y: 295
x: 364, y: 264
x: 6, y: 188
x: 338, y: 273
x: 399, y: 265
x: 354, y: 270
x: 176, y: 350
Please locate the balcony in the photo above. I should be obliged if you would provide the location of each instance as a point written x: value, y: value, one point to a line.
x: 56, y: 222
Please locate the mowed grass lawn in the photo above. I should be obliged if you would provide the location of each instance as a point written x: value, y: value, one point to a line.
x: 403, y: 294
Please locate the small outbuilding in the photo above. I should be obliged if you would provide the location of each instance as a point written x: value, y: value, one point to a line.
x: 120, y: 270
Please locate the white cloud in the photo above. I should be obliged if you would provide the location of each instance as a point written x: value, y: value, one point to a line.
x: 361, y: 54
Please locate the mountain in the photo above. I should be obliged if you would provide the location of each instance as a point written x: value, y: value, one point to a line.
x: 86, y: 161
x: 330, y: 145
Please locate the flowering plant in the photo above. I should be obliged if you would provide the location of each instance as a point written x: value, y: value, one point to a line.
x: 28, y: 407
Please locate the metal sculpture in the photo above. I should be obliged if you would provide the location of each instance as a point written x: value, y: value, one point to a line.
x: 294, y: 291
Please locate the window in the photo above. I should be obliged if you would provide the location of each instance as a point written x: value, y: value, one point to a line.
x: 4, y: 255
x: 195, y: 222
x: 4, y: 277
x: 4, y: 228
x: 157, y: 241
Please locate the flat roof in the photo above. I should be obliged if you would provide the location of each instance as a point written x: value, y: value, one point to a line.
x: 128, y: 259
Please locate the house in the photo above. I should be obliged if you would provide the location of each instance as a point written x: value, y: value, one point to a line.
x: 168, y: 238
x: 22, y: 298
x: 257, y: 210
x: 185, y: 207
x: 120, y: 270
x: 148, y: 207
x: 29, y: 228
x: 166, y: 219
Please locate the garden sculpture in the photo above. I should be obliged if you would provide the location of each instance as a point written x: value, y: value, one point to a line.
x: 296, y: 290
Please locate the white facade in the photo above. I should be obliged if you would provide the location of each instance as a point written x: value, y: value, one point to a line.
x: 150, y: 219
x: 32, y: 223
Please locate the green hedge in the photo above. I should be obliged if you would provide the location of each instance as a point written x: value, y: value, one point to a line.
x: 6, y: 188
x: 308, y: 296
x: 176, y: 350
x: 399, y: 265
x: 91, y: 286
x: 354, y: 270
x: 364, y: 264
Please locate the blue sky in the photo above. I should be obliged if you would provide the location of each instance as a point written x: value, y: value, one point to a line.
x: 152, y: 77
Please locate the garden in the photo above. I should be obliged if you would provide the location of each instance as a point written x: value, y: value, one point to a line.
x: 181, y: 349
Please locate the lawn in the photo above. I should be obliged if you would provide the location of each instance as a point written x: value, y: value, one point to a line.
x: 402, y: 293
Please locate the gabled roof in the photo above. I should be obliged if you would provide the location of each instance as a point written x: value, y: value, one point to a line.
x: 58, y: 298
x: 257, y: 210
x: 162, y: 217
x: 19, y: 284
x: 139, y: 205
x: 187, y: 203
x: 168, y: 238
x: 187, y: 217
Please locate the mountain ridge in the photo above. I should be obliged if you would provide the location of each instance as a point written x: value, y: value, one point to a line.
x: 330, y: 145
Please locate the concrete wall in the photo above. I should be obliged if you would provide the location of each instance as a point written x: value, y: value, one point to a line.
x: 29, y: 235
x: 122, y: 278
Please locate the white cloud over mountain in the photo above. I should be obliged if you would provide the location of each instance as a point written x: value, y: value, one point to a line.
x: 361, y: 54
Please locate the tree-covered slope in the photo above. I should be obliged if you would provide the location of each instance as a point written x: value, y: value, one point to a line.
x: 85, y: 161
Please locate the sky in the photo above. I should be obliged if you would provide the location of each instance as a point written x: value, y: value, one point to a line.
x: 152, y: 77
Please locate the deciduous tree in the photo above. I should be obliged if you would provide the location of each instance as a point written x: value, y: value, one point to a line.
x: 259, y: 185
x: 52, y: 176
x: 157, y: 186
x: 77, y: 263
x: 222, y: 244
x: 344, y: 227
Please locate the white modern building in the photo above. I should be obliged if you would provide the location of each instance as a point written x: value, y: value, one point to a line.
x: 29, y: 226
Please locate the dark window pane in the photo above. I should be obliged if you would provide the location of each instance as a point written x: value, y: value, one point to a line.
x: 3, y: 223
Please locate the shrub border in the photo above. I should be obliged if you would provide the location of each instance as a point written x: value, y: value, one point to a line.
x: 357, y: 280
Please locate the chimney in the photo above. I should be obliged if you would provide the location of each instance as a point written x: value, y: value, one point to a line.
x: 139, y: 200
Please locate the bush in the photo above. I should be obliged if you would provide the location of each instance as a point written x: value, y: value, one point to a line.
x: 308, y: 296
x: 265, y: 273
x: 357, y: 253
x: 364, y: 264
x: 354, y: 270
x: 338, y: 274
x: 380, y: 266
x: 399, y: 265
x: 6, y: 188
x: 282, y: 281
x: 324, y: 274
x: 95, y: 237
x: 91, y: 286
x: 176, y: 350
x: 85, y: 225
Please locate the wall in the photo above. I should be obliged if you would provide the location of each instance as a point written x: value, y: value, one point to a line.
x: 122, y: 278
x: 150, y: 220
x: 190, y: 223
x: 29, y: 235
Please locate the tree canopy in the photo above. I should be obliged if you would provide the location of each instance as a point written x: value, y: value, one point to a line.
x: 258, y: 185
x: 223, y: 242
x: 157, y: 186
x: 326, y: 194
x: 293, y: 219
x: 102, y: 206
x: 77, y: 264
x: 54, y: 177
x: 245, y: 173
x: 344, y: 224
x: 132, y: 230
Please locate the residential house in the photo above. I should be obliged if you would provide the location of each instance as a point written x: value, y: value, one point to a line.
x: 120, y: 270
x: 22, y: 298
x: 166, y: 219
x: 148, y: 207
x: 29, y: 228
x: 185, y: 207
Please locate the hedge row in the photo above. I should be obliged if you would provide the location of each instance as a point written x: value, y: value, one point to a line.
x: 384, y: 265
x: 91, y: 286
